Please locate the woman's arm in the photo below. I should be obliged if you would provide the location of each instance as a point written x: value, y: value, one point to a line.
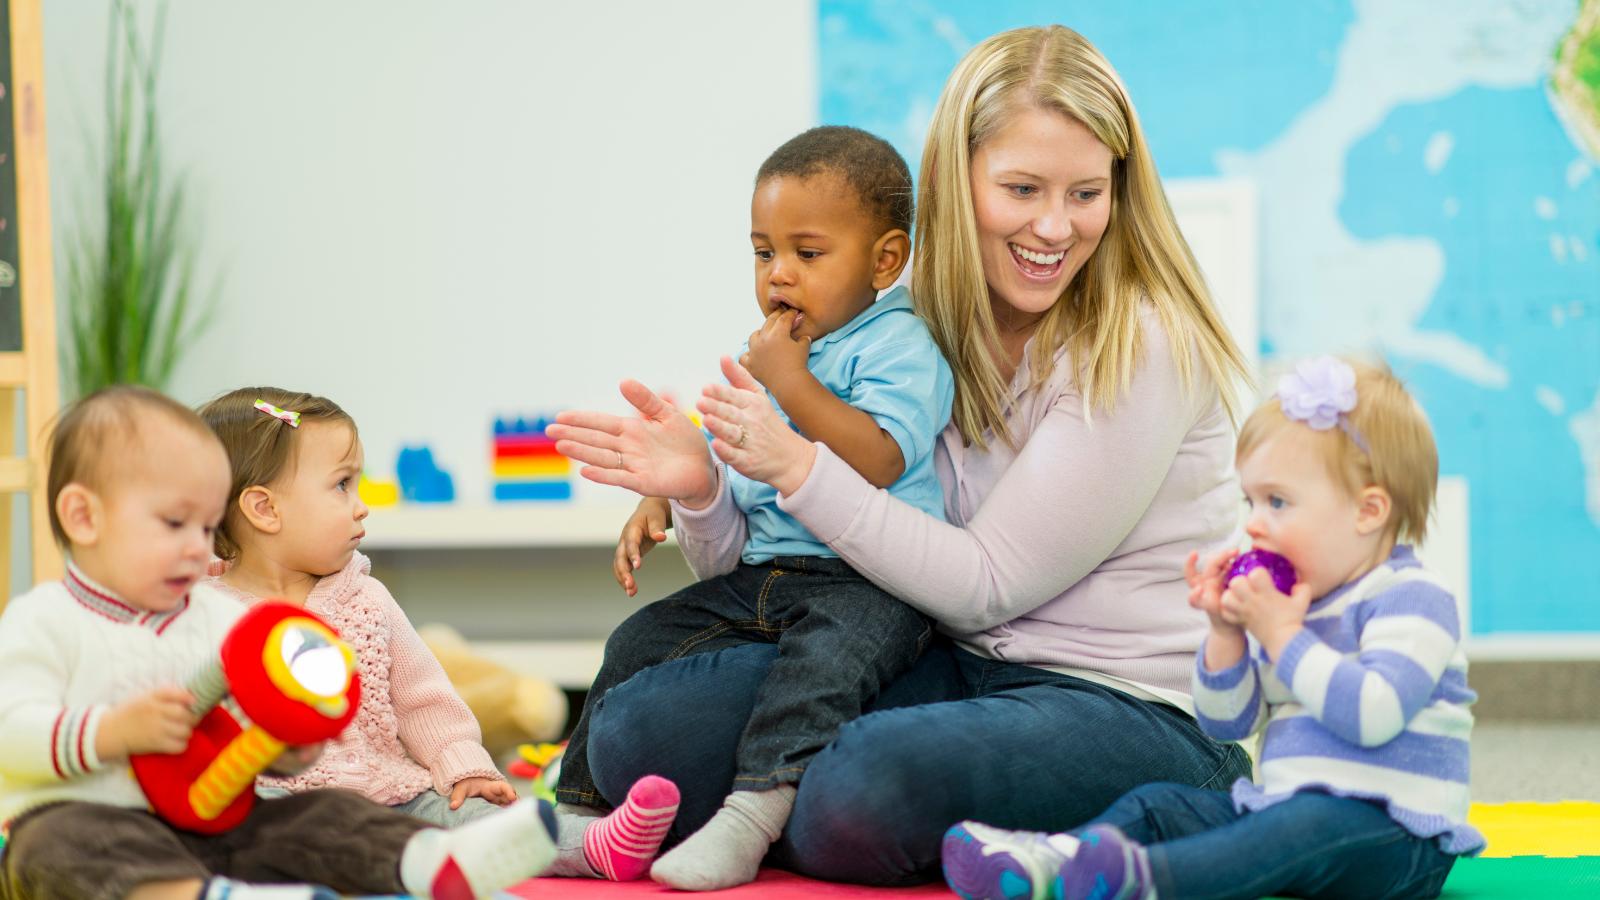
x: 1071, y: 496
x: 711, y: 538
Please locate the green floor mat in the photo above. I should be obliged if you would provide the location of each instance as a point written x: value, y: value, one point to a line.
x: 1524, y: 876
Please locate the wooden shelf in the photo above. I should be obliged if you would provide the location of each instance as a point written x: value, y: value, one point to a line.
x: 570, y: 664
x: 461, y: 525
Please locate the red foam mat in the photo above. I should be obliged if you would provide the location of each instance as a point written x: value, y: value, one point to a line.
x: 771, y: 884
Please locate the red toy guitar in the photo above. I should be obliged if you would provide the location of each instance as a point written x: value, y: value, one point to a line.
x: 283, y: 677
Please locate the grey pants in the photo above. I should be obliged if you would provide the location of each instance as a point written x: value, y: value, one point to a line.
x: 434, y: 807
x: 430, y: 806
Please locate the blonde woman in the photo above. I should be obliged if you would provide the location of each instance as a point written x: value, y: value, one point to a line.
x: 1089, y: 451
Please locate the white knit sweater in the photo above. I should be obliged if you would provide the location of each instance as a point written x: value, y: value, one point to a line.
x: 70, y: 651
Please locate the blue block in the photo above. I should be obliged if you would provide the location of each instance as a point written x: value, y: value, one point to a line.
x: 533, y: 490
x: 421, y: 479
x: 521, y: 425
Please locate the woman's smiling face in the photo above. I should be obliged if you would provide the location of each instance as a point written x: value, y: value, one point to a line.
x: 1041, y: 195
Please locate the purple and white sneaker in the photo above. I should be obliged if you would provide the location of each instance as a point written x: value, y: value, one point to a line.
x: 986, y: 863
x: 1107, y: 866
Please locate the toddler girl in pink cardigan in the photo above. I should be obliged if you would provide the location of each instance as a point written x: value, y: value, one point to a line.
x: 292, y: 526
x: 291, y: 530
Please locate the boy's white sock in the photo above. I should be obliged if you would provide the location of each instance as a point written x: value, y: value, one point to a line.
x: 482, y: 856
x: 727, y: 851
x: 219, y: 888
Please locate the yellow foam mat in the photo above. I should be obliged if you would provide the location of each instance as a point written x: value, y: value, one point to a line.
x: 1565, y: 829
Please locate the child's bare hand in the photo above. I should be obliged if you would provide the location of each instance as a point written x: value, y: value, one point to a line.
x: 498, y: 792
x: 775, y: 354
x: 644, y: 529
x: 158, y: 721
x: 296, y: 759
x: 1253, y: 601
x: 1205, y: 586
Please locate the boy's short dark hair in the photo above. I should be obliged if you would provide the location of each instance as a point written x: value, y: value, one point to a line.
x: 100, y: 429
x: 867, y: 163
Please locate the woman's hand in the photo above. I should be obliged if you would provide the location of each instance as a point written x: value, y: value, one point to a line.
x: 644, y: 529
x: 658, y: 454
x: 748, y: 434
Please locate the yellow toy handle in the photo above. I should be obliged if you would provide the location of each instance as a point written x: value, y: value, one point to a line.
x: 233, y: 772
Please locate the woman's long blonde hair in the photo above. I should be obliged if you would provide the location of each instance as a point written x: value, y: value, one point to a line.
x: 1142, y: 255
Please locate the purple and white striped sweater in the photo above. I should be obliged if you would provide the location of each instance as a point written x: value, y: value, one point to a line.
x: 1369, y: 700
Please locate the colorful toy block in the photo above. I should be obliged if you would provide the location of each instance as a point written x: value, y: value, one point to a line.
x: 525, y: 464
x: 421, y: 479
x: 378, y: 493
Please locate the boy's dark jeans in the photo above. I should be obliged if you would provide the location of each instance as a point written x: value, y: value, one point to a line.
x: 840, y: 640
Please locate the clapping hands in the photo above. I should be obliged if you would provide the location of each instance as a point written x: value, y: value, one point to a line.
x: 749, y: 435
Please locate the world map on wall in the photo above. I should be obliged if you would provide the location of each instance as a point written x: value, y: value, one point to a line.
x: 1429, y: 192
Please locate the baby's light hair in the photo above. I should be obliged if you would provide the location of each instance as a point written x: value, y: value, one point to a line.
x: 104, y: 429
x: 1400, y: 457
x: 260, y: 446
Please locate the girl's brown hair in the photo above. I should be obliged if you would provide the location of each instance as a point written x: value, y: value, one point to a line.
x: 260, y: 445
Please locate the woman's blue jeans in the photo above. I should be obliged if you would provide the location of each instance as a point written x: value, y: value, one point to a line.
x: 840, y: 640
x: 1310, y: 845
x: 957, y: 737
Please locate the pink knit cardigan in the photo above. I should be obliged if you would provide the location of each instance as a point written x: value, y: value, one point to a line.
x: 413, y: 732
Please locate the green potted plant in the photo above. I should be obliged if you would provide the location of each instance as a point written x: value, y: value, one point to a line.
x: 131, y: 288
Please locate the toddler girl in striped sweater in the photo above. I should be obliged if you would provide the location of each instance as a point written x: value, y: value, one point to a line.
x: 1357, y: 675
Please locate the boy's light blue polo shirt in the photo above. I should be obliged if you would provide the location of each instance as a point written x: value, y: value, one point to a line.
x: 884, y: 363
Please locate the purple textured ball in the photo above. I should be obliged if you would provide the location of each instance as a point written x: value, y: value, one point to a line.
x: 1279, y: 568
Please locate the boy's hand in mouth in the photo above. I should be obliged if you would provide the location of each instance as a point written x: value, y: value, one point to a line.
x: 776, y: 354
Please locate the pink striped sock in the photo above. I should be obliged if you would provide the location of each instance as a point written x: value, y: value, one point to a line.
x: 621, y: 845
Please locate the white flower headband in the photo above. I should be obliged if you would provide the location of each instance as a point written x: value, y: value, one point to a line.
x: 1321, y: 392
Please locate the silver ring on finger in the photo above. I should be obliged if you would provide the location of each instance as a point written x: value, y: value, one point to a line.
x: 742, y: 435
x: 619, y: 457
